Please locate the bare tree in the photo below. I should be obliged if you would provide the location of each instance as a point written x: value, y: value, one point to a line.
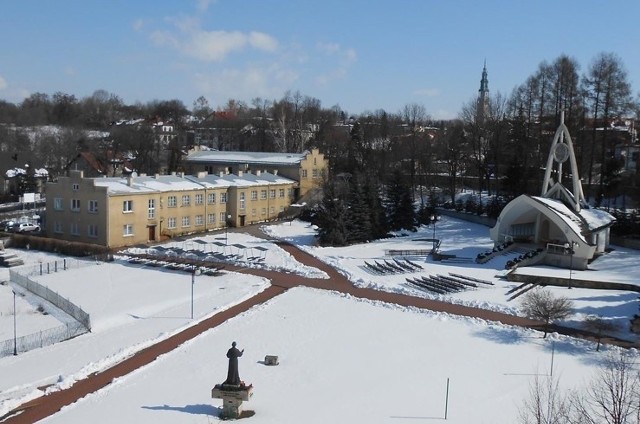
x: 613, y: 396
x: 542, y: 305
x: 546, y: 404
x: 600, y: 327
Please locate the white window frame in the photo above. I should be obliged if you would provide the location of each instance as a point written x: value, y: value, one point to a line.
x: 171, y: 223
x: 92, y: 230
x: 74, y: 229
x: 281, y: 193
x: 263, y: 194
x: 272, y: 193
x: 186, y: 221
x: 172, y: 201
x: 186, y: 200
x: 75, y: 205
x: 199, y: 199
x: 127, y: 206
x: 58, y: 204
x: 92, y: 206
x: 211, y: 218
x: 127, y: 230
x: 199, y: 220
x: 242, y: 201
x: 223, y: 197
x: 254, y: 194
x: 151, y: 209
x: 58, y: 227
x: 211, y: 198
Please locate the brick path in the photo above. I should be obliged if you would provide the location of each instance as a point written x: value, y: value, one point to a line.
x: 47, y: 405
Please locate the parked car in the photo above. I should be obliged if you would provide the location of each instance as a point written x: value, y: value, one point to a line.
x: 7, y: 225
x: 24, y: 227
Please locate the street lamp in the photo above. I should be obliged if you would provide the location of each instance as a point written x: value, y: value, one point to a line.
x: 226, y: 229
x: 194, y: 271
x: 570, y: 249
x: 15, y: 340
x: 433, y: 219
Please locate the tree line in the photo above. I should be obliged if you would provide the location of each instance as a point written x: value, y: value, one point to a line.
x: 500, y: 154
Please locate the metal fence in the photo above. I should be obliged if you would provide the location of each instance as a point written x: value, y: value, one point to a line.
x: 49, y: 295
x: 56, y: 266
x: 41, y: 338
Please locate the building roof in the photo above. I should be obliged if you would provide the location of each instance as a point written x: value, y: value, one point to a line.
x: 261, y: 158
x: 592, y: 218
x: 164, y: 183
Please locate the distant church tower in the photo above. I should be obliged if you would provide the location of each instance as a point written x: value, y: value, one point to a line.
x: 482, y: 109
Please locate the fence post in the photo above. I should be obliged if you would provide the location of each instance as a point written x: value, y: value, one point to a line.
x: 55, y: 266
x: 40, y: 268
x: 48, y: 271
x: 64, y: 264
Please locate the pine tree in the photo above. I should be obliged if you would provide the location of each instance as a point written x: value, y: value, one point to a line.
x: 331, y: 219
x: 402, y: 215
x: 377, y: 213
x: 358, y: 223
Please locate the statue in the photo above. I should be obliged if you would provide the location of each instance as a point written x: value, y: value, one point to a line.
x: 233, y: 377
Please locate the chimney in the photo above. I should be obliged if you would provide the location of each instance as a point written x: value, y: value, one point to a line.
x: 129, y: 180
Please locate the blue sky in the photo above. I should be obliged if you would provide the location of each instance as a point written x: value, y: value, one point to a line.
x: 360, y: 55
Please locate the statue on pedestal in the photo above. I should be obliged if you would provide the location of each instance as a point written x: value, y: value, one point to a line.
x: 233, y: 377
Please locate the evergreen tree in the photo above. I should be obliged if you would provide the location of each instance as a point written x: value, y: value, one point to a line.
x: 331, y: 219
x: 358, y: 222
x: 402, y: 215
x: 377, y: 213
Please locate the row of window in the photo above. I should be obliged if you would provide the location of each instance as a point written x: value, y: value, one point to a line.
x: 315, y: 173
x: 74, y: 229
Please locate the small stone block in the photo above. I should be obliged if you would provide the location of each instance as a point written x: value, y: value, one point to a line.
x: 271, y: 360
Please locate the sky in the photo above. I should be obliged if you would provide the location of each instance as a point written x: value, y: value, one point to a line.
x: 359, y: 55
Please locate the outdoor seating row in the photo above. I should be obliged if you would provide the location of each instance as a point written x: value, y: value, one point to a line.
x: 475, y: 280
x: 178, y: 264
x: 437, y: 285
x: 396, y: 266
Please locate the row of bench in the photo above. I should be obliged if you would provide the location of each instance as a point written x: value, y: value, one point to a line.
x: 180, y: 264
x: 396, y: 266
x: 445, y: 284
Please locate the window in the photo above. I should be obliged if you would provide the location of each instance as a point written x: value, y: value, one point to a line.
x: 171, y: 223
x: 271, y: 211
x: 223, y: 217
x: 127, y: 230
x: 304, y: 173
x: 186, y: 200
x: 264, y: 211
x: 199, y: 198
x: 289, y: 192
x: 211, y: 218
x: 272, y: 193
x: 199, y: 219
x: 172, y: 201
x: 57, y: 204
x: 263, y: 194
x: 281, y: 193
x: 242, y: 200
x: 253, y: 212
x: 92, y: 207
x: 254, y: 194
x: 92, y: 230
x: 75, y: 205
x: 75, y: 186
x: 151, y: 211
x: 75, y: 229
x: 58, y: 227
x: 223, y: 197
x: 314, y: 173
x: 127, y: 206
x: 211, y: 198
x: 186, y: 221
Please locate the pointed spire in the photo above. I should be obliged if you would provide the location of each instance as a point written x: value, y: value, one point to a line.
x: 483, y: 98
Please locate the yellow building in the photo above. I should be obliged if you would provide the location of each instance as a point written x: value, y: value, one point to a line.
x: 117, y: 212
x: 308, y: 168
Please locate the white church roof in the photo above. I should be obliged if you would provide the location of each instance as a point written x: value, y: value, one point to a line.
x: 592, y: 218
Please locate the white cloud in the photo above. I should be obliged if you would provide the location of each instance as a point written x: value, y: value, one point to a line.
x: 345, y: 59
x: 210, y: 46
x: 203, y: 5
x: 3, y: 83
x: 427, y: 92
x: 247, y: 83
x: 137, y: 25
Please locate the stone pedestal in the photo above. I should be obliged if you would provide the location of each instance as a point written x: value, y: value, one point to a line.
x: 232, y: 398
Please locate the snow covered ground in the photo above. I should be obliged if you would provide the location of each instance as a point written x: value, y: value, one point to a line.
x: 359, y: 362
x: 466, y: 240
x: 386, y: 374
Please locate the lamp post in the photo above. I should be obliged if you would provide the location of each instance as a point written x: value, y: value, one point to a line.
x: 226, y: 229
x: 195, y: 271
x: 15, y: 340
x: 433, y: 219
x: 570, y: 249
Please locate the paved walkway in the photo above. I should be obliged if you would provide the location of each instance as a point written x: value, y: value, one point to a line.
x: 45, y: 406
